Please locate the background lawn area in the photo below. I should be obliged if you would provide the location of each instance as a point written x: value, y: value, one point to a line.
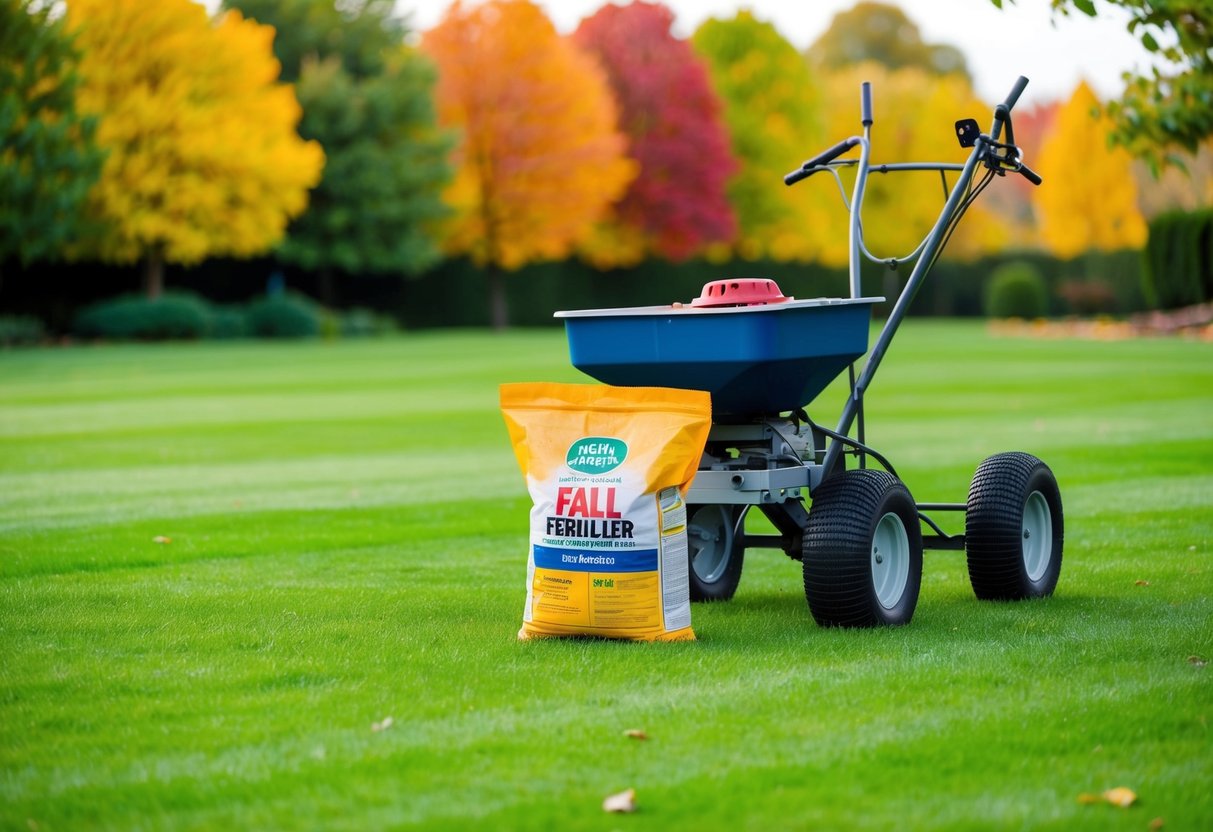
x: 348, y: 543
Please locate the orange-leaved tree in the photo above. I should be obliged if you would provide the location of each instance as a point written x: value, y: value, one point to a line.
x: 1090, y: 197
x: 203, y: 158
x: 541, y: 158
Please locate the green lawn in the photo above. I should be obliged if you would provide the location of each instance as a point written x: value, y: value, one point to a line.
x: 347, y: 535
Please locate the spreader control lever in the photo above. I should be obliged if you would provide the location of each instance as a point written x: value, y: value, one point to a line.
x: 807, y: 169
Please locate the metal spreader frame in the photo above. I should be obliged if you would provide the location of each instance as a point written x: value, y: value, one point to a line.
x: 860, y: 541
x: 777, y: 489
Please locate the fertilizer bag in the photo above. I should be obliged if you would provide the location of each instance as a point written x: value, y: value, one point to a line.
x: 607, y: 468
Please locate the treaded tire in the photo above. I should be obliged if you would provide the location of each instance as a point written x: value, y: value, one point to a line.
x: 847, y: 580
x: 1014, y: 528
x: 715, y: 551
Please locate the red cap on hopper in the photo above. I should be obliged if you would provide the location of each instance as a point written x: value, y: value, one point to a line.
x: 740, y: 291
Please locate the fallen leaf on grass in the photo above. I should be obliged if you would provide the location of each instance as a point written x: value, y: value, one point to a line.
x: 382, y: 725
x: 1141, y: 583
x: 636, y: 734
x: 1156, y: 824
x: 161, y: 539
x: 1197, y: 661
x: 1119, y: 796
x: 623, y: 802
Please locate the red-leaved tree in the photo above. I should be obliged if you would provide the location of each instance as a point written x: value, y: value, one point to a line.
x: 673, y: 121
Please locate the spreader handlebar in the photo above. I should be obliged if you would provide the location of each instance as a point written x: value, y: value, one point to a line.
x: 1005, y: 156
x: 823, y: 158
x: 1002, y: 113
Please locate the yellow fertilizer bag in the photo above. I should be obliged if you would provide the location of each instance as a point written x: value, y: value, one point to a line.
x: 607, y: 468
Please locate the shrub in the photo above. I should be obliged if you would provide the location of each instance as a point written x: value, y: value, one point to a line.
x: 1178, y: 259
x: 172, y: 315
x: 288, y: 315
x: 1016, y: 290
x: 16, y: 330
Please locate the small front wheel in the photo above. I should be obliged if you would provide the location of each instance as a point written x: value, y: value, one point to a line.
x: 862, y: 551
x: 714, y: 543
x: 1014, y: 528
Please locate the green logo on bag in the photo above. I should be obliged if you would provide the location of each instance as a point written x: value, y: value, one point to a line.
x: 596, y: 454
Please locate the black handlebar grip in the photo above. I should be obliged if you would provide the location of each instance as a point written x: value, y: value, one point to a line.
x: 1016, y: 91
x: 1029, y: 174
x: 1002, y: 113
x: 795, y: 176
x: 825, y: 157
x: 865, y: 103
x: 833, y: 153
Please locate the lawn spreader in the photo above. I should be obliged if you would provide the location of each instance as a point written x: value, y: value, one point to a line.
x: 763, y: 357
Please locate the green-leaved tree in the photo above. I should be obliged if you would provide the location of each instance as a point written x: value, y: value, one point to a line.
x: 367, y: 99
x: 1171, y: 106
x: 48, y: 160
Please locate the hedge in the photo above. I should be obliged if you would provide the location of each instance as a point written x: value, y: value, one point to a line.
x: 1178, y: 260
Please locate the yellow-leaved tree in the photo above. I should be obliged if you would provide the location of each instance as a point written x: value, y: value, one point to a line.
x: 541, y: 157
x: 1089, y: 200
x: 202, y: 154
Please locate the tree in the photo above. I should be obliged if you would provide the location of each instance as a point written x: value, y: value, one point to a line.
x: 367, y: 99
x: 48, y: 160
x: 362, y: 36
x: 672, y: 119
x: 770, y: 109
x: 1172, y: 105
x: 541, y: 158
x: 1097, y: 207
x: 386, y: 166
x: 203, y: 158
x: 883, y: 34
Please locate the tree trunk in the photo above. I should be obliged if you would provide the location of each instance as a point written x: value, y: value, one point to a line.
x: 153, y: 274
x: 497, y: 300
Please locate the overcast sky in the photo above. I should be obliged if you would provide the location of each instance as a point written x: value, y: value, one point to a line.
x: 999, y: 45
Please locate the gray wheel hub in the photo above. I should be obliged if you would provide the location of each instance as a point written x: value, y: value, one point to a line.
x: 1037, y: 536
x: 890, y: 560
x: 710, y: 537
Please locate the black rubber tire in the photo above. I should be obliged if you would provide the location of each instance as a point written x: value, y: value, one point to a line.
x: 1002, y: 564
x: 838, y: 559
x: 714, y: 525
